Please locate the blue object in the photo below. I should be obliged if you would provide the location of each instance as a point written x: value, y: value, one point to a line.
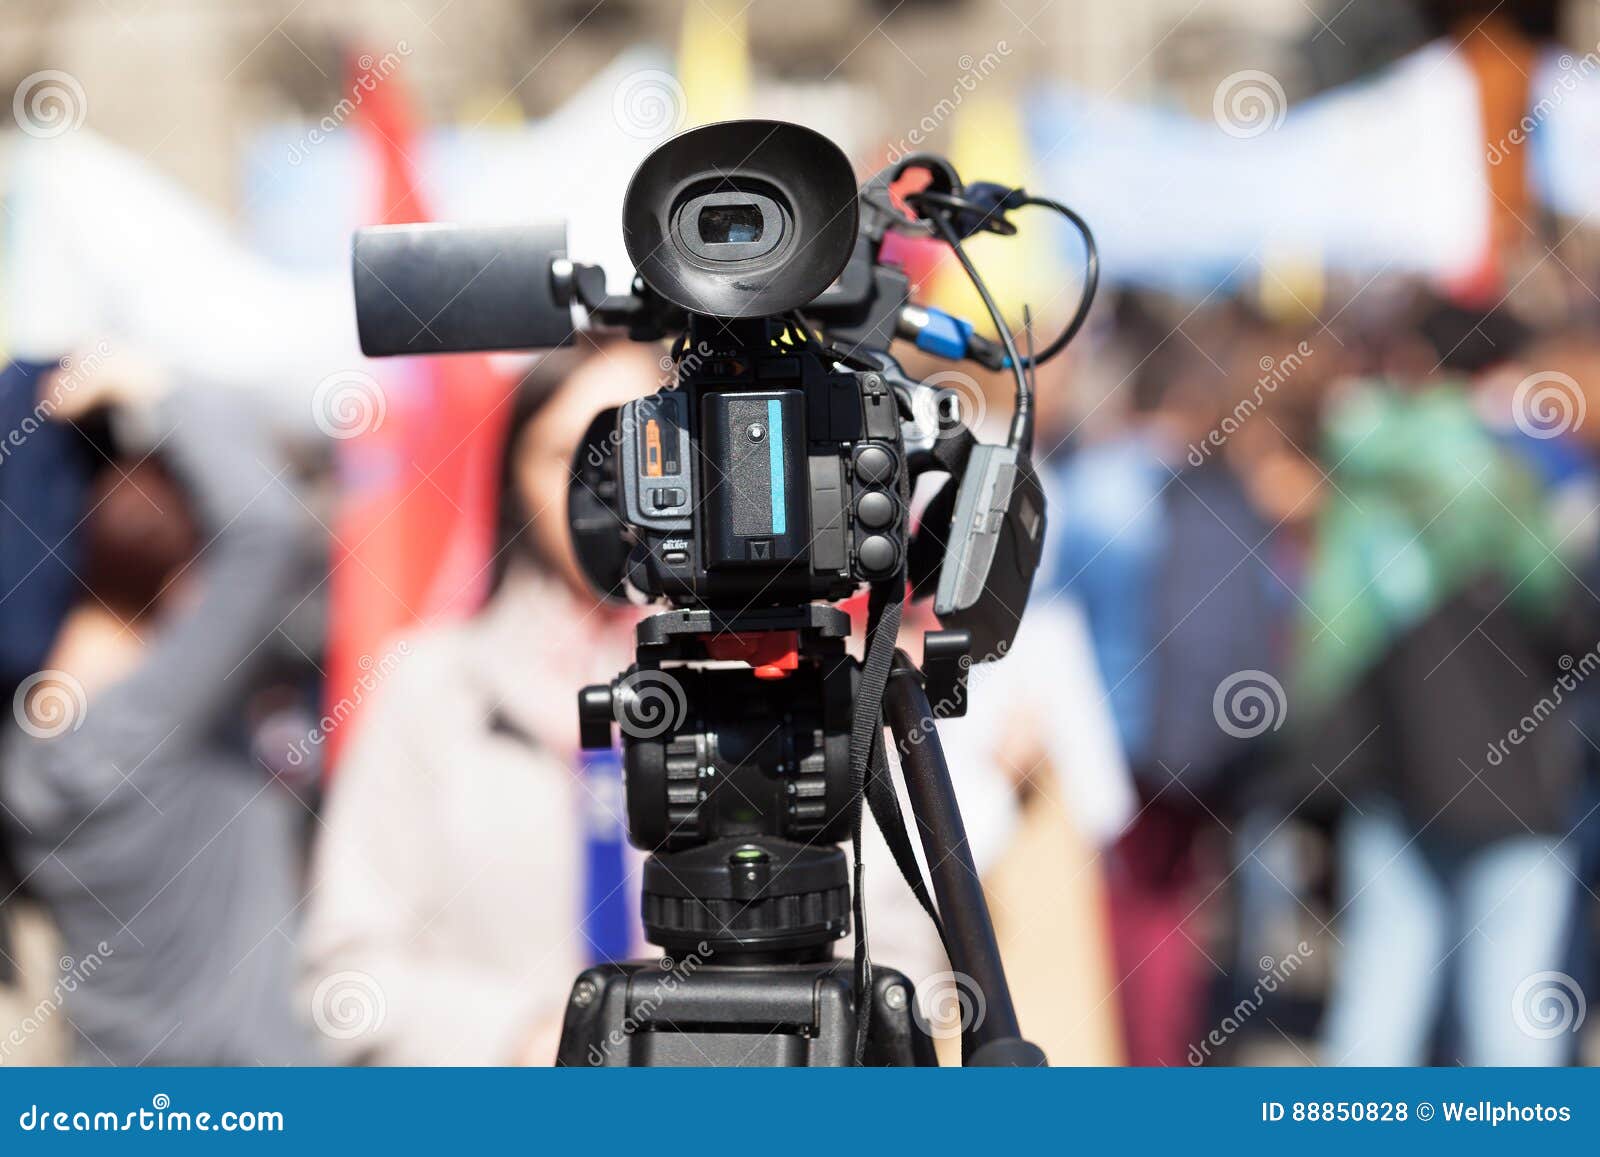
x: 1404, y: 954
x: 944, y: 336
x: 1304, y: 1111
x: 1107, y: 548
x: 780, y: 515
x: 1556, y: 462
x: 45, y: 469
x: 609, y: 905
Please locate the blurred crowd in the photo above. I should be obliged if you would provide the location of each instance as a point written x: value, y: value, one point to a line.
x: 1296, y: 758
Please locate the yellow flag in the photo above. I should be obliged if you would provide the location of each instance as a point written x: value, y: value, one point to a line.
x: 1293, y: 288
x: 714, y: 61
x: 989, y: 142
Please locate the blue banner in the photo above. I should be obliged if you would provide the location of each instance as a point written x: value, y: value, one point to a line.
x: 801, y: 1111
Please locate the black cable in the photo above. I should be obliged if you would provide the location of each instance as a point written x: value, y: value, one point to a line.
x: 1027, y: 336
x: 1022, y: 415
x: 942, y: 210
x: 830, y: 352
x: 975, y: 216
x: 1091, y: 281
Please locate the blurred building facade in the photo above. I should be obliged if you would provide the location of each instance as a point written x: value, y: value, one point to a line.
x: 184, y: 82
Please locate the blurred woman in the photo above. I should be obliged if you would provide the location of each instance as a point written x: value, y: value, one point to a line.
x: 167, y: 859
x: 457, y: 888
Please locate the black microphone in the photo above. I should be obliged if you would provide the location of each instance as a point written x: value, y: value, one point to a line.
x: 428, y: 289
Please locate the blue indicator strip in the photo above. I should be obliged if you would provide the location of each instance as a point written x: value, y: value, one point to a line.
x: 780, y: 517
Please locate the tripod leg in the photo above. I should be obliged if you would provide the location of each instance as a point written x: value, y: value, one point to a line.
x: 996, y: 1040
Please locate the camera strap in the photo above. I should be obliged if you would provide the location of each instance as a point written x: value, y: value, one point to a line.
x: 891, y: 821
x: 871, y: 786
x: 866, y: 735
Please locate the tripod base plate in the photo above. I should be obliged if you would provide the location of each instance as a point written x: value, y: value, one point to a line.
x: 691, y: 1013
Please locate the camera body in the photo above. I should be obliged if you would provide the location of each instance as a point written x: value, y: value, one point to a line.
x: 775, y: 468
x: 760, y: 479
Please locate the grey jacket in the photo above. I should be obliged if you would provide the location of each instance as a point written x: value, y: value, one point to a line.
x: 167, y: 858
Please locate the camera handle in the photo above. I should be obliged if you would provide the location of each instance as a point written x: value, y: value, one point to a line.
x: 994, y: 1040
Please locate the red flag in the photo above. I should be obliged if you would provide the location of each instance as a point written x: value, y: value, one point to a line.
x: 414, y: 530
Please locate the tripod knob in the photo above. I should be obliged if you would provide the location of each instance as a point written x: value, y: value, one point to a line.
x: 595, y: 717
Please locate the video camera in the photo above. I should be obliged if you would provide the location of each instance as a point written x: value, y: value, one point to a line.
x: 772, y: 476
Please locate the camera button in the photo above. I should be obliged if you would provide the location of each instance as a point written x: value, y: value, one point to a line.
x: 876, y: 553
x: 875, y: 509
x: 874, y: 465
